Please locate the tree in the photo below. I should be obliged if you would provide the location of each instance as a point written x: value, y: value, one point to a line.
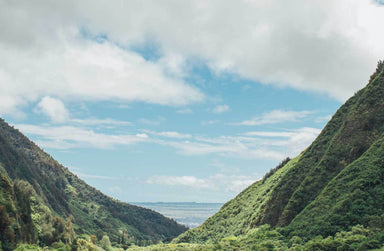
x: 105, y: 243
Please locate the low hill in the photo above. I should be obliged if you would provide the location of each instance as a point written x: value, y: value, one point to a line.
x: 33, y: 186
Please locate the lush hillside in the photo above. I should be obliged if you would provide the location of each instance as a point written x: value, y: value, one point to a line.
x: 334, y: 184
x: 330, y: 197
x: 33, y: 186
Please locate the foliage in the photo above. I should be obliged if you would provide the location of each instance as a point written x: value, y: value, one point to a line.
x: 273, y: 170
x: 43, y: 202
x: 330, y: 197
x: 269, y: 238
x: 105, y: 243
x: 336, y: 183
x: 239, y: 215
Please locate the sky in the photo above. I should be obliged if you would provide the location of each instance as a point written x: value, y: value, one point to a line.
x: 181, y: 101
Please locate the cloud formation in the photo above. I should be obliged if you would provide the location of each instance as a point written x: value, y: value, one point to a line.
x: 69, y: 49
x: 251, y: 145
x: 190, y: 181
x: 221, y: 109
x: 54, y: 109
x: 275, y: 117
x: 66, y: 137
x: 218, y: 182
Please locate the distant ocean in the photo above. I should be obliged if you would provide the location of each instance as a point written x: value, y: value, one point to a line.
x: 191, y: 214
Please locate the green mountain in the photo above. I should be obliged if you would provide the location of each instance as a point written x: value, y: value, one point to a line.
x: 43, y: 202
x: 333, y: 185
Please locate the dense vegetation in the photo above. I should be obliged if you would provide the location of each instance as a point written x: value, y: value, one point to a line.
x: 42, y: 202
x: 336, y: 184
x: 330, y: 197
x: 268, y: 238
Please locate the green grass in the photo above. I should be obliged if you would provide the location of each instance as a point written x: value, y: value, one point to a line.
x: 239, y: 215
x: 334, y: 184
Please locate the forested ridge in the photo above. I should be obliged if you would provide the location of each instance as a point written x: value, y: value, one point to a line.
x: 333, y: 188
x: 42, y: 202
x: 329, y: 197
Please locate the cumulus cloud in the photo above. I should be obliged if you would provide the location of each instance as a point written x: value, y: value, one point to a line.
x: 311, y: 46
x: 275, y: 117
x: 57, y: 112
x: 54, y: 109
x: 47, y: 53
x: 221, y: 109
x: 68, y: 49
x: 90, y: 72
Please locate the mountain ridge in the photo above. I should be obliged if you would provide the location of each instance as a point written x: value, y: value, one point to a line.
x: 283, y: 199
x: 66, y: 195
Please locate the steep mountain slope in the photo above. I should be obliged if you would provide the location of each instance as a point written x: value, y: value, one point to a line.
x: 354, y: 196
x: 237, y: 216
x: 339, y: 166
x: 65, y: 195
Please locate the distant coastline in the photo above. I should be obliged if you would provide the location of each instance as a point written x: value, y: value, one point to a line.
x: 191, y: 214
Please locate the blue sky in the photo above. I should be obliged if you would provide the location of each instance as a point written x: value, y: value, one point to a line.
x: 165, y: 101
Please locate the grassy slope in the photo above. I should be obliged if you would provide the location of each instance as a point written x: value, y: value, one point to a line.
x: 66, y: 194
x: 354, y: 196
x: 355, y: 127
x: 238, y: 215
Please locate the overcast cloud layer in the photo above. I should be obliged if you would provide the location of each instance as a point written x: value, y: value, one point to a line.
x: 82, y: 49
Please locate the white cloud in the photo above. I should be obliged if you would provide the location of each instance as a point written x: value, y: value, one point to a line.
x: 269, y: 134
x: 218, y: 182
x: 275, y: 117
x: 251, y: 145
x: 95, y: 121
x: 185, y: 111
x: 92, y: 176
x: 240, y: 184
x: 153, y: 121
x: 65, y: 137
x: 221, y: 109
x: 190, y: 181
x: 210, y: 122
x: 58, y: 60
x: 54, y: 109
x: 323, y: 119
x: 313, y: 46
x: 142, y: 135
x: 174, y: 64
x: 234, y: 148
x: 169, y: 134
x: 325, y: 46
